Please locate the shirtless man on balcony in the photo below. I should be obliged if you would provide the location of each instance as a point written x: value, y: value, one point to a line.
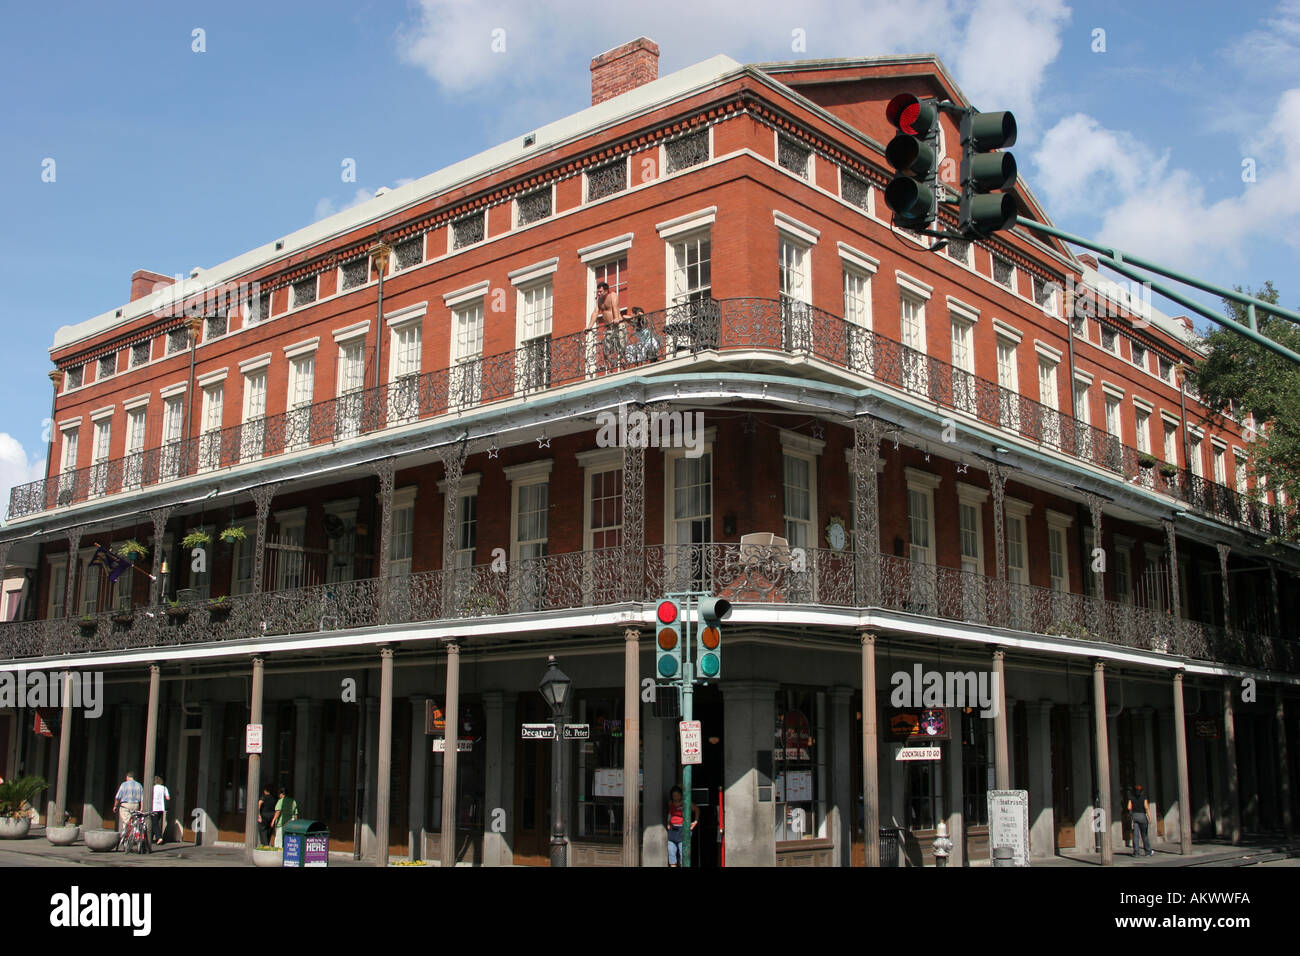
x: 605, y: 320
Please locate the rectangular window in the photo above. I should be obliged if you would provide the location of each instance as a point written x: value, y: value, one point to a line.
x: 1139, y: 354
x: 467, y: 536
x: 1143, y: 430
x: 252, y: 439
x: 99, y: 458
x: 798, y: 501
x: 173, y: 414
x: 469, y: 230
x: 1123, y: 576
x: 606, y: 509
x: 968, y: 516
x: 793, y: 156
x: 404, y: 374
x: 607, y: 180
x: 692, y: 322
x: 1049, y: 397
x: 290, y: 564
x: 58, y: 586
x: 686, y: 151
x: 210, y: 430
x: 354, y: 274
x: 963, y: 363
x: 1008, y: 384
x: 921, y: 543
x: 536, y: 303
x: 402, y: 543
x: 1171, y: 443
x: 915, y: 363
x: 304, y: 292
x: 302, y: 381
x: 139, y: 353
x: 1114, y: 426
x: 532, y: 507
x: 857, y: 298
x: 1110, y: 340
x: 351, y: 382
x: 178, y: 340
x: 1080, y: 325
x: 1017, y: 573
x: 1003, y: 271
x: 798, y: 773
x: 692, y: 278
x: 1058, y: 562
x: 1166, y: 369
x: 1194, y: 449
x: 242, y: 576
x: 214, y: 326
x: 133, y: 466
x: 408, y: 253
x: 534, y: 206
x: 796, y: 294
x: 1220, y: 467
x: 107, y: 366
x: 341, y: 546
x: 259, y: 308
x: 975, y: 769
x: 958, y: 250
x: 855, y: 191
x: 466, y: 354
x: 90, y: 581
x: 690, y: 512
x: 1044, y: 293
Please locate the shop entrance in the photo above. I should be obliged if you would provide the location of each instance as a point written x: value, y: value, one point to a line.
x: 707, y: 780
x: 532, y: 787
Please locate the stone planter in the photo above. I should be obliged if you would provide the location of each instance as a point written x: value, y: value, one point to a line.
x: 101, y: 841
x: 14, y: 828
x: 62, y: 836
x: 268, y: 858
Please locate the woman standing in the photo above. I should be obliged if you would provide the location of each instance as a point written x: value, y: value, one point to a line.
x: 676, y: 820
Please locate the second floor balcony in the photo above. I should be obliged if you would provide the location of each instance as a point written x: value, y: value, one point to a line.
x: 751, y: 576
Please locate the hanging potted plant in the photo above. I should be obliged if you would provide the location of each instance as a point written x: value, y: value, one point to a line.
x: 1169, y: 471
x: 219, y: 608
x: 123, y: 617
x: 197, y: 538
x: 233, y: 534
x: 1146, y: 461
x: 177, y: 611
x: 133, y: 550
x: 88, y: 625
x: 16, y: 805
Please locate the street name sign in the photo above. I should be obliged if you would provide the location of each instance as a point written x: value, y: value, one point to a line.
x: 537, y: 731
x: 577, y: 731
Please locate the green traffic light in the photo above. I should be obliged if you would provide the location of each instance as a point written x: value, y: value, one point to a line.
x: 910, y: 200
x: 667, y: 666
x: 709, y: 665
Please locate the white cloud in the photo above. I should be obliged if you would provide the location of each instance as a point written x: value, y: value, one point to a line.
x: 326, y: 205
x: 1001, y: 65
x: 1154, y: 210
x: 16, y: 468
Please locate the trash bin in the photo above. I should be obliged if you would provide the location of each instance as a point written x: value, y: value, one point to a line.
x: 1003, y: 856
x: 888, y: 846
x: 306, y: 843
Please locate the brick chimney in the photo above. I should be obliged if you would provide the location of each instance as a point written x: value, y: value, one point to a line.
x: 143, y: 282
x: 1088, y: 261
x: 624, y: 68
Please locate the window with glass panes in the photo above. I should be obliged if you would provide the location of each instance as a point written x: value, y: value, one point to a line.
x: 69, y: 458
x: 91, y: 579
x: 536, y: 303
x: 915, y: 363
x: 1113, y: 425
x: 975, y: 769
x: 132, y: 469
x: 963, y: 361
x: 968, y: 516
x: 406, y: 351
x: 1220, y: 466
x: 531, y: 520
x: 794, y: 271
x: 692, y: 278
x: 600, y: 767
x: 857, y: 297
x: 290, y: 563
x: 1056, y: 557
x: 467, y: 349
x: 798, y: 769
x: 1123, y: 575
x: 242, y: 580
x: 58, y: 585
x: 342, y: 546
x: 1016, y: 564
x: 254, y: 427
x: 925, y: 794
x: 1143, y: 419
x: 1008, y: 376
x: 1194, y: 449
x: 692, y: 505
x: 402, y: 543
x: 919, y: 511
x: 798, y: 501
x: 1239, y: 474
x: 467, y: 536
x: 99, y: 452
x: 1171, y: 443
x: 606, y: 489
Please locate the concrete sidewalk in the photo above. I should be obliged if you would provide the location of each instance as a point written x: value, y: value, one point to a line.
x: 35, y: 850
x: 1251, y: 851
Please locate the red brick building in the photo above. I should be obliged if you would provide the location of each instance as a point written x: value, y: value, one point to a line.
x: 387, y: 426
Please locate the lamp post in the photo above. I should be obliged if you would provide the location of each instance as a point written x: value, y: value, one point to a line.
x: 554, y: 688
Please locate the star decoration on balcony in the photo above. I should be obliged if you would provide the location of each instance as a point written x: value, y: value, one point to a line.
x: 543, y: 441
x: 818, y: 431
x: 493, y: 450
x: 963, y: 468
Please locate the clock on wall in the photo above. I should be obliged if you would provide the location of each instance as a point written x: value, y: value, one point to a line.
x: 836, y: 534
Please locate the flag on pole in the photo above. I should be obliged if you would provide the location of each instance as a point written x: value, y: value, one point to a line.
x: 115, y: 566
x: 41, y: 727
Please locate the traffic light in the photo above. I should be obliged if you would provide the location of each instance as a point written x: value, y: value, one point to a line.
x: 914, y: 154
x: 708, y: 637
x: 668, y: 641
x: 984, y: 209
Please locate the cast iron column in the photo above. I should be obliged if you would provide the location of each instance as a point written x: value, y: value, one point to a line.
x: 447, y: 841
x: 866, y: 509
x: 870, y: 753
x: 262, y: 496
x: 631, y: 744
x: 634, y: 520
x: 384, y: 784
x: 1103, y: 757
x: 1184, y: 784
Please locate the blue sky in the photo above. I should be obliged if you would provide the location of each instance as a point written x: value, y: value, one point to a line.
x: 166, y: 158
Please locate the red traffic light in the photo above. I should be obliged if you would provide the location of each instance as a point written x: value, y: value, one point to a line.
x: 910, y: 115
x: 667, y: 612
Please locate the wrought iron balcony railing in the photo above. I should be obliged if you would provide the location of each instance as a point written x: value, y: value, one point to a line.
x: 592, y: 579
x: 780, y: 326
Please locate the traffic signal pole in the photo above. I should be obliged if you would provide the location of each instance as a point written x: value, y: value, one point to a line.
x: 688, y: 713
x: 1126, y: 265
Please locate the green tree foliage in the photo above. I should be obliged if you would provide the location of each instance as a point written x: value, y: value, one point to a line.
x: 1239, y: 376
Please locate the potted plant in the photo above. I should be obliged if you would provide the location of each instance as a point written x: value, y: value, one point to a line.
x: 177, y: 611
x: 267, y: 856
x: 64, y: 835
x: 233, y: 533
x: 1146, y: 461
x: 1169, y: 471
x: 133, y: 550
x: 123, y: 617
x: 219, y: 608
x: 16, y: 804
x: 88, y: 624
x: 101, y: 841
x: 197, y: 538
x: 478, y: 602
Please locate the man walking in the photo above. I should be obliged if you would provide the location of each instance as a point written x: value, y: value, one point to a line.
x: 1137, y: 806
x: 160, y: 797
x: 128, y: 798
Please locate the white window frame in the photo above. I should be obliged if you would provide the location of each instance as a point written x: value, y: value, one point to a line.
x: 670, y: 458
x: 1059, y: 523
x: 807, y: 449
x: 290, y: 520
x: 961, y: 324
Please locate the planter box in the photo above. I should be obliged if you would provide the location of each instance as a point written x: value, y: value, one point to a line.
x: 100, y: 841
x: 62, y: 836
x: 14, y: 828
x: 268, y: 858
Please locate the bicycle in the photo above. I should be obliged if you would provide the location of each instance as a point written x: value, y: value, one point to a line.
x: 135, y: 836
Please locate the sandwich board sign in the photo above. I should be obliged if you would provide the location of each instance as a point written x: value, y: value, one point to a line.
x: 1009, y: 823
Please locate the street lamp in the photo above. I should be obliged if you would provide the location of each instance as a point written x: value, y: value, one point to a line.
x: 554, y: 688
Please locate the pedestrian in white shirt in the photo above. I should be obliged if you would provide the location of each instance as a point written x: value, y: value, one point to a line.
x: 160, y: 797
